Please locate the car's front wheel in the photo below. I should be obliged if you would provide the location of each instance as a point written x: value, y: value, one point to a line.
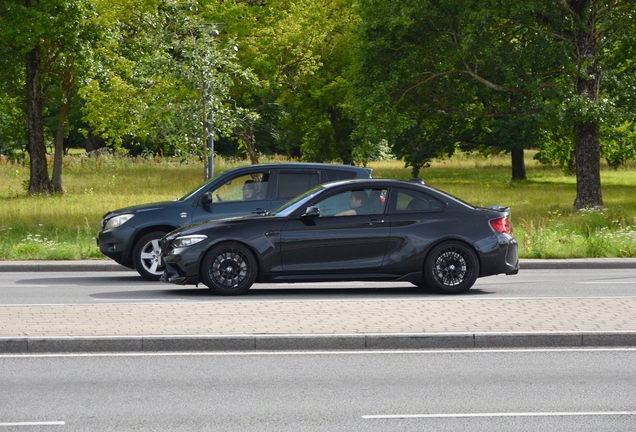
x: 229, y: 269
x: 147, y: 256
x: 451, y: 268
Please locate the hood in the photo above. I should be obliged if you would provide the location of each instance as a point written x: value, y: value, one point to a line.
x: 217, y: 223
x: 141, y: 208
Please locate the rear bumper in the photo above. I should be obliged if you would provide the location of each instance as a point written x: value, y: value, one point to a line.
x: 502, y: 259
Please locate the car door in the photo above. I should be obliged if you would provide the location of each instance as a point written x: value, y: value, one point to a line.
x: 417, y: 220
x: 337, y: 242
x: 238, y: 195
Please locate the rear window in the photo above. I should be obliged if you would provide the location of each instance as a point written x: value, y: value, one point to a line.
x: 292, y: 184
x: 410, y: 201
x: 340, y: 174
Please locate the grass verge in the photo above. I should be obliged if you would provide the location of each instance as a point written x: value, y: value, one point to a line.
x: 64, y: 227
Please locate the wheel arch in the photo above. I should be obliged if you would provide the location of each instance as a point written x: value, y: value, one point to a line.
x: 145, y: 230
x: 242, y: 243
x: 454, y: 239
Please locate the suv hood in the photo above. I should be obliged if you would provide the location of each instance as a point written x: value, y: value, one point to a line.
x: 141, y: 208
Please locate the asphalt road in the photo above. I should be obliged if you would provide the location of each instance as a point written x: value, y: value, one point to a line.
x: 112, y: 287
x: 472, y: 390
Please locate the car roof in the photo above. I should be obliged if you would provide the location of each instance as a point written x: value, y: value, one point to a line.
x: 305, y: 165
x: 368, y: 182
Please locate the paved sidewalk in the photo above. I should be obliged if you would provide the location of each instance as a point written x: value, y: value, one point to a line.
x: 247, y: 325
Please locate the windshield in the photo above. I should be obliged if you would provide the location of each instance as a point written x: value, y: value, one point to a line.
x: 197, y: 189
x: 291, y: 206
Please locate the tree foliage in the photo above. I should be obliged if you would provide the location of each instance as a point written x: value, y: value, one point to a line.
x: 45, y: 44
x: 324, y: 81
x: 164, y: 67
x: 298, y: 51
x: 434, y: 75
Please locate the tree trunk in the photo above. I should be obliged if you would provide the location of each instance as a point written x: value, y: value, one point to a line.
x: 247, y: 135
x: 67, y: 84
x: 39, y: 179
x: 251, y: 142
x: 59, y: 149
x: 518, y: 164
x: 588, y: 168
x: 587, y: 146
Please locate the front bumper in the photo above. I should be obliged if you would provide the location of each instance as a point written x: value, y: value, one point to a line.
x: 175, y: 273
x: 116, y: 243
x: 181, y: 266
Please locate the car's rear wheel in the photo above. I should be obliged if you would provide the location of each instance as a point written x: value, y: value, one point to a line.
x: 147, y: 256
x: 451, y: 268
x: 229, y: 269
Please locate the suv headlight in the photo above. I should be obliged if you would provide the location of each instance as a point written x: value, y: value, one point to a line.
x: 117, y: 221
x: 188, y: 240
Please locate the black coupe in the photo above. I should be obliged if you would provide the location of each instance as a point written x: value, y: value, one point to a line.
x: 354, y: 230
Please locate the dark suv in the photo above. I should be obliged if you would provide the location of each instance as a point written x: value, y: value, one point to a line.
x: 131, y: 235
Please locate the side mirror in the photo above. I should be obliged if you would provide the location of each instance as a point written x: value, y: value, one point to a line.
x: 206, y: 199
x: 311, y: 212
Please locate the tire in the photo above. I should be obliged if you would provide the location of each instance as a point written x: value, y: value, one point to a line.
x: 147, y: 256
x: 451, y: 268
x: 229, y: 269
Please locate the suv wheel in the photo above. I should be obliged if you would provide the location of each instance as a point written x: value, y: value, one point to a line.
x: 147, y: 256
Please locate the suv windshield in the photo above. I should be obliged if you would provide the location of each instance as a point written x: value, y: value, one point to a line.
x: 197, y: 189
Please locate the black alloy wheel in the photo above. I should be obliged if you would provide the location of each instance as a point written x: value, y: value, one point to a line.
x: 229, y: 269
x: 451, y: 268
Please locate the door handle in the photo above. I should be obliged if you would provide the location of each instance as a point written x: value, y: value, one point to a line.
x: 375, y: 222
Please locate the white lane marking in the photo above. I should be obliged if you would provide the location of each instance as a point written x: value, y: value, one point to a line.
x: 331, y: 353
x: 519, y: 414
x: 606, y: 282
x: 46, y: 423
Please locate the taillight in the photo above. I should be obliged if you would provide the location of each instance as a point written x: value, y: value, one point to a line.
x: 501, y: 225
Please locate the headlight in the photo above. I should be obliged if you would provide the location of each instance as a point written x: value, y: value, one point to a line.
x: 188, y: 240
x: 117, y: 221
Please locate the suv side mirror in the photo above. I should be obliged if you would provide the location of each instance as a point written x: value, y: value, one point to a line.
x: 311, y: 212
x: 206, y: 199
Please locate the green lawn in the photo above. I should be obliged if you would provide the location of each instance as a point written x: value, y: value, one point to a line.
x: 65, y: 226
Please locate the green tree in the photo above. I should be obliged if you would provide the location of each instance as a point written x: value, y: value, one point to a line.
x: 49, y: 38
x: 22, y: 28
x: 297, y: 50
x: 163, y: 68
x: 432, y: 74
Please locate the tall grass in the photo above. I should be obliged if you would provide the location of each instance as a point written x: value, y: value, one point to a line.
x: 65, y: 226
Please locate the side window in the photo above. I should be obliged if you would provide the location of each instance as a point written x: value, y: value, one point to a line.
x: 291, y: 184
x: 248, y: 187
x: 340, y: 174
x: 353, y: 202
x: 411, y: 201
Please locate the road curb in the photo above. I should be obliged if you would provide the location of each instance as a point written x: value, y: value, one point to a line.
x: 577, y: 263
x: 313, y: 342
x: 61, y: 266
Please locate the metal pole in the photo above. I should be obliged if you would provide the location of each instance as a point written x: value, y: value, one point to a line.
x: 210, y: 143
x: 213, y: 30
